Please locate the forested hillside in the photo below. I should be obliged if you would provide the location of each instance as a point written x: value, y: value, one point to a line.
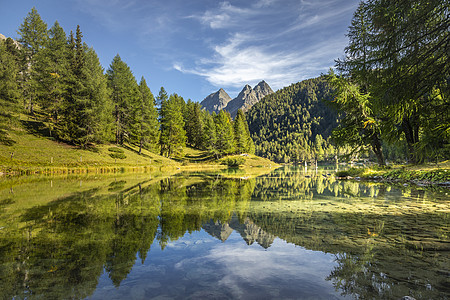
x: 57, y: 81
x: 294, y: 123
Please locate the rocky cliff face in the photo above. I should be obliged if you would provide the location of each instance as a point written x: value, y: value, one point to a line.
x: 245, y: 100
x: 216, y: 101
x: 248, y: 97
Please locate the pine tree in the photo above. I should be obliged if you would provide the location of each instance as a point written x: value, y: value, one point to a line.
x: 224, y: 133
x: 125, y: 93
x: 173, y: 135
x: 52, y: 73
x: 193, y: 124
x: 9, y: 88
x: 209, y: 138
x: 33, y: 37
x: 145, y: 119
x: 84, y: 111
x: 244, y: 142
x: 161, y: 99
x: 98, y: 111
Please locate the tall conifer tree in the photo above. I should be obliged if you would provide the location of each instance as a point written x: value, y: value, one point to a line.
x: 225, y: 133
x: 173, y: 135
x: 33, y: 37
x: 52, y: 73
x: 145, y: 119
x: 9, y: 88
x: 124, y: 95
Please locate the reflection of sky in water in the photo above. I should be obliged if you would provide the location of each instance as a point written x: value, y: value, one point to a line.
x: 200, y: 266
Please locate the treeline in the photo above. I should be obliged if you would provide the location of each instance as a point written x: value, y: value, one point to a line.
x: 294, y: 124
x: 59, y: 80
x: 392, y: 87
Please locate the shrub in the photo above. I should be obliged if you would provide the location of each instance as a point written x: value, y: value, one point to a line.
x: 115, y: 149
x: 352, y: 172
x: 118, y: 155
x: 233, y: 162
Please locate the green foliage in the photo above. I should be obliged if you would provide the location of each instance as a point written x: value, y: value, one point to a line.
x: 84, y: 110
x: 360, y: 126
x: 233, y: 162
x: 124, y: 95
x: 284, y: 125
x: 9, y: 88
x: 352, y: 172
x: 117, y: 155
x: 224, y: 133
x: 398, y: 52
x: 63, y: 78
x: 115, y: 150
x: 173, y: 135
x: 194, y: 124
x: 244, y: 143
x: 33, y: 37
x: 144, y: 125
x: 421, y: 175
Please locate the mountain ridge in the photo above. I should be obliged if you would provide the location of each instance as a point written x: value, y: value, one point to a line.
x: 245, y: 100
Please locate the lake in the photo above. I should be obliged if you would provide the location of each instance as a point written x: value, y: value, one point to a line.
x: 293, y: 233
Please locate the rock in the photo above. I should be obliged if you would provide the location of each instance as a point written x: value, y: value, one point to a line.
x: 245, y: 100
x: 215, y: 102
x: 407, y: 298
x: 248, y: 97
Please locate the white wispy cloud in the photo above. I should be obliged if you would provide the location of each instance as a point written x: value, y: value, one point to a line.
x: 235, y: 63
x: 279, y: 45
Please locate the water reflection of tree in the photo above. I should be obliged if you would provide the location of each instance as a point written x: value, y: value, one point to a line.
x: 65, y: 245
x: 59, y: 250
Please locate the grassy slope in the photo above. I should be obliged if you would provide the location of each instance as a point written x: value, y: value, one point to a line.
x: 36, y: 153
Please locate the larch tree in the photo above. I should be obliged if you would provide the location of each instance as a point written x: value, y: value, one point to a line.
x: 224, y: 133
x: 124, y: 95
x: 33, y: 38
x: 173, y: 135
x: 9, y: 88
x: 145, y: 119
x: 52, y: 73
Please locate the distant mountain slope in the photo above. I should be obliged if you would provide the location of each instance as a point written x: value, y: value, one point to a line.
x: 245, y: 100
x: 216, y: 101
x: 285, y: 125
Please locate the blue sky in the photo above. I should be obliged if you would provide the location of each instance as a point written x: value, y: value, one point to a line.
x: 195, y: 47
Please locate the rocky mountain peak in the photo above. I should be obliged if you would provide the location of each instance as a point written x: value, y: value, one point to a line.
x: 216, y: 101
x: 245, y: 100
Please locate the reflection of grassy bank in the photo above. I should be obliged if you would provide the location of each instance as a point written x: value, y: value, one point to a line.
x: 424, y: 174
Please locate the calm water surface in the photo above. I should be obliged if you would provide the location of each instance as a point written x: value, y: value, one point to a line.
x: 290, y: 234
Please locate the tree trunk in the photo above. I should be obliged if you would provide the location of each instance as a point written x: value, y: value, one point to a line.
x: 117, y: 125
x: 376, y: 147
x: 411, y: 136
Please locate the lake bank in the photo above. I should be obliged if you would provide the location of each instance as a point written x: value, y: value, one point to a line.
x: 431, y: 174
x: 32, y: 154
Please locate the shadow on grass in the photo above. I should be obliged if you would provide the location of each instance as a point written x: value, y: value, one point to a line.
x: 135, y: 151
x: 203, y: 157
x: 5, y: 139
x: 37, y: 128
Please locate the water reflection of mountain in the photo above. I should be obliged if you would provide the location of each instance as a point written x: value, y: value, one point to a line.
x: 248, y: 230
x: 59, y: 249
